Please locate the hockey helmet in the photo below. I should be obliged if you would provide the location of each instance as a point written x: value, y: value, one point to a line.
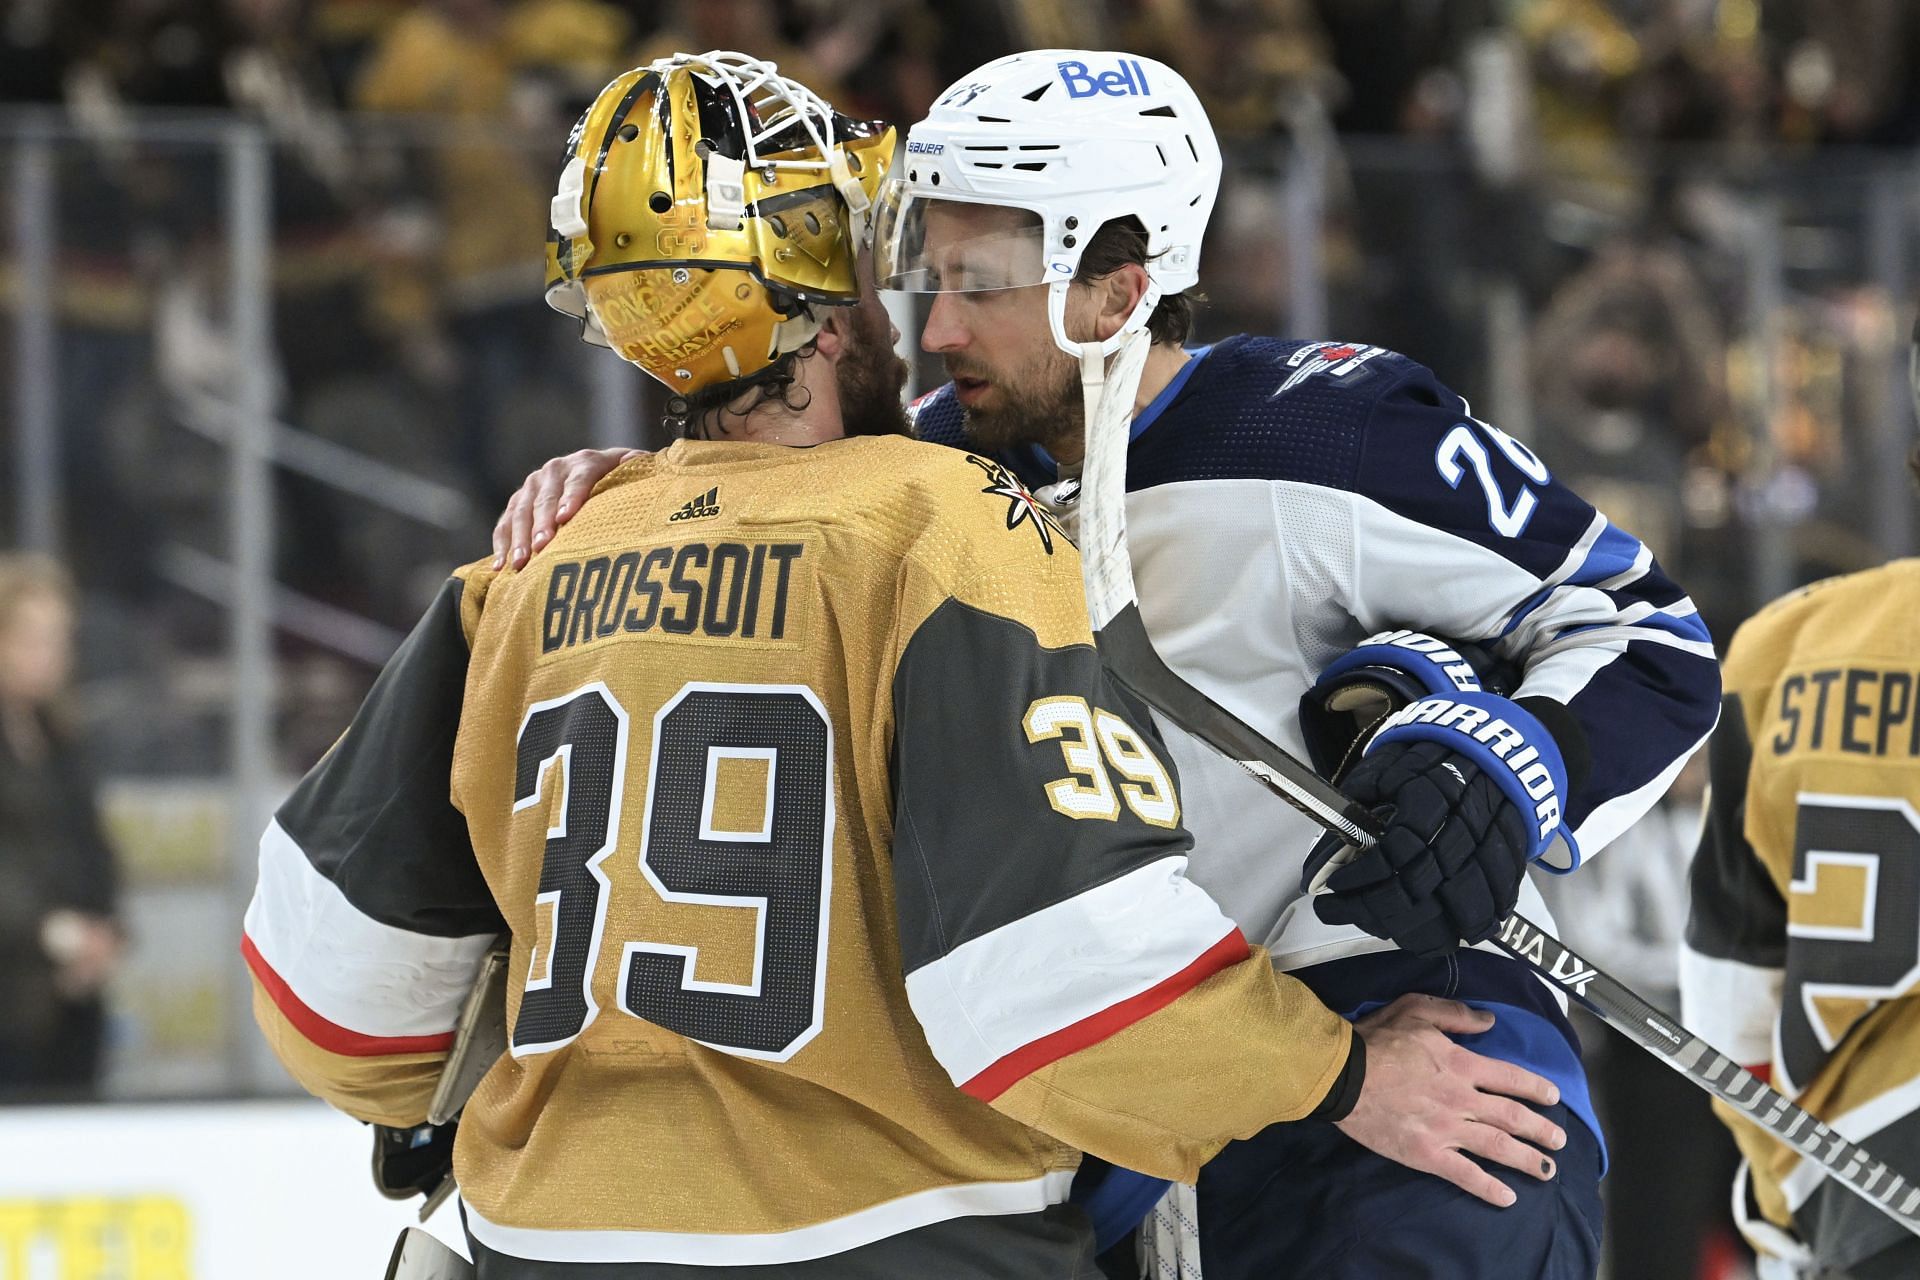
x: 707, y: 207
x: 1060, y: 141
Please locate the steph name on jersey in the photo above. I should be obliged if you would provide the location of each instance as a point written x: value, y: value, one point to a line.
x: 722, y: 590
x: 1852, y: 710
x: 1335, y: 359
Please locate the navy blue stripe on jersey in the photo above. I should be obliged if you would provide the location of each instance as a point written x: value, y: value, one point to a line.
x: 1635, y: 710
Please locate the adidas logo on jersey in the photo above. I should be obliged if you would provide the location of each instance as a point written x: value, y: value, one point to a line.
x: 707, y: 504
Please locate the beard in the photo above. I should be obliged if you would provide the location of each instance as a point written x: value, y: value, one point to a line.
x: 1040, y: 405
x: 871, y: 378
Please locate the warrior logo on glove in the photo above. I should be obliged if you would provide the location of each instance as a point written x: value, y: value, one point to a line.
x: 1470, y: 786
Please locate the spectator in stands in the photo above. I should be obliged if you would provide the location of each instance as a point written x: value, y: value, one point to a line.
x: 42, y: 41
x: 1630, y: 360
x: 1845, y: 70
x: 59, y: 940
x: 459, y: 292
x: 1266, y: 61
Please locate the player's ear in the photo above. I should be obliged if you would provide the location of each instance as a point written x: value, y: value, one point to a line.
x: 836, y: 331
x: 1116, y: 294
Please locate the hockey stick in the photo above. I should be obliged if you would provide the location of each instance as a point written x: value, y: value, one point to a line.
x: 1129, y: 656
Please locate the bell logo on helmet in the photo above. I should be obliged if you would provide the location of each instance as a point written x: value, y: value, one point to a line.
x: 1130, y: 79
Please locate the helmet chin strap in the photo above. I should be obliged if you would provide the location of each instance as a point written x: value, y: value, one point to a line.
x: 1105, y: 401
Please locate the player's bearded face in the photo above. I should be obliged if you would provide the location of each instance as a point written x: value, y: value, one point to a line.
x: 988, y: 321
x: 1035, y: 400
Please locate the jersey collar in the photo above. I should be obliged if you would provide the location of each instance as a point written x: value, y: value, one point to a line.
x: 1029, y: 460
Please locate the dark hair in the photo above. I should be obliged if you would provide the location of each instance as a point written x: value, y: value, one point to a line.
x: 1124, y: 240
x: 773, y: 384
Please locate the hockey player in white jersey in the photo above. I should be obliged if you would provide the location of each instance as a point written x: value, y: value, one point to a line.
x: 1287, y: 500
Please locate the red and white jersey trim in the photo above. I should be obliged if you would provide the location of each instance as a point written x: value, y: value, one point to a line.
x: 348, y: 982
x: 735, y: 1249
x: 1003, y: 1005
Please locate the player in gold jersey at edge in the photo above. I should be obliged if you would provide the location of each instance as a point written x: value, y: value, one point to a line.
x: 846, y: 895
x: 1803, y: 944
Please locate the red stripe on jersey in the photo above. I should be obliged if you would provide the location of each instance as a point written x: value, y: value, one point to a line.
x: 1763, y: 1071
x: 1029, y: 1058
x: 329, y: 1035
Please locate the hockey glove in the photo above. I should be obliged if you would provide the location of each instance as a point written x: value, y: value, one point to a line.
x: 1376, y: 678
x: 412, y: 1162
x: 1470, y: 787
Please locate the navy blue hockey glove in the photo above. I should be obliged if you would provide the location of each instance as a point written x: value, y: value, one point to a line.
x: 1470, y: 787
x: 1376, y: 678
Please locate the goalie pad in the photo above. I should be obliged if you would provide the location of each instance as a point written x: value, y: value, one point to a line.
x: 419, y: 1161
x: 417, y: 1255
x: 479, y: 1040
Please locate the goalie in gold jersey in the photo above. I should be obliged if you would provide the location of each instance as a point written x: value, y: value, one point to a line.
x: 1802, y: 958
x: 846, y: 894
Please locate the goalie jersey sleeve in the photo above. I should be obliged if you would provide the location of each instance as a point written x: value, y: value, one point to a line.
x: 371, y: 917
x: 1803, y: 941
x: 1061, y: 963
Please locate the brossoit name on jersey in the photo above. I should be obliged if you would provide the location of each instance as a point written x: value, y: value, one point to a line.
x: 1851, y: 709
x: 718, y: 589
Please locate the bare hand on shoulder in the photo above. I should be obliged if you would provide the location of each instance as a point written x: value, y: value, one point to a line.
x: 547, y: 499
x: 1427, y: 1102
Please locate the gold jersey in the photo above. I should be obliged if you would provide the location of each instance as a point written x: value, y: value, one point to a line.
x: 845, y: 892
x: 1803, y: 946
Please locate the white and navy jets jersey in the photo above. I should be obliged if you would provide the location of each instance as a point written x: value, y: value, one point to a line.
x: 1286, y: 500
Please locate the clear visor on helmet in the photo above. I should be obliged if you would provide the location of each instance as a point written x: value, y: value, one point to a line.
x: 922, y: 244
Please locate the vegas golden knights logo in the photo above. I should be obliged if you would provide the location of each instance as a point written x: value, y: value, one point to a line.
x: 1022, y: 506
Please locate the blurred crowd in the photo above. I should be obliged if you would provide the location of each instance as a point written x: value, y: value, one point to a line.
x: 1591, y: 164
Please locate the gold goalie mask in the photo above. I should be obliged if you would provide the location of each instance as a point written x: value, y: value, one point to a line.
x: 708, y: 207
